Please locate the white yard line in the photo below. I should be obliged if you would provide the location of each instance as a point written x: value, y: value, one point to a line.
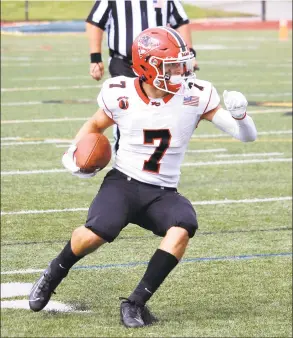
x: 249, y: 154
x: 22, y: 89
x: 211, y: 202
x: 251, y: 200
x: 48, y: 78
x: 61, y: 145
x: 31, y: 58
x: 271, y: 94
x: 206, y: 150
x: 11, y: 138
x: 211, y: 163
x: 6, y: 144
x: 270, y: 132
x: 32, y: 172
x: 191, y: 164
x: 39, y: 64
x: 27, y: 103
x: 269, y: 111
x: 64, y: 119
x: 49, y: 211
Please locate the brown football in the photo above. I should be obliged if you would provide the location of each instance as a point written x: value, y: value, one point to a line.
x: 93, y: 151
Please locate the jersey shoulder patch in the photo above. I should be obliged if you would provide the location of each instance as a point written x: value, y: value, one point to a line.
x: 209, y: 98
x: 114, y: 96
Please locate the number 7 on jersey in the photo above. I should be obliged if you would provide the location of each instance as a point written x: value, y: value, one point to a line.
x: 152, y: 164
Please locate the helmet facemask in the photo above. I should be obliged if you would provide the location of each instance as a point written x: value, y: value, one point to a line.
x: 172, y: 73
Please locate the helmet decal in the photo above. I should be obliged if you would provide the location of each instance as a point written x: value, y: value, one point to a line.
x: 145, y: 44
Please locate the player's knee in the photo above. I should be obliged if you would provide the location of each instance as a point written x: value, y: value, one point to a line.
x: 189, y: 227
x: 87, y: 238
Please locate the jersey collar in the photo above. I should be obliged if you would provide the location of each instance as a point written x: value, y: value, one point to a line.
x: 141, y: 93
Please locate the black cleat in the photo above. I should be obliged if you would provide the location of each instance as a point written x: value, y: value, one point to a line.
x: 43, y: 289
x: 133, y: 315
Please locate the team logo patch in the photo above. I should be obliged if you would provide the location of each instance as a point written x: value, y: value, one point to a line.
x: 191, y: 101
x: 145, y: 44
x: 123, y: 102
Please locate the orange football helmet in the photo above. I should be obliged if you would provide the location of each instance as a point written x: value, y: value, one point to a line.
x: 162, y: 59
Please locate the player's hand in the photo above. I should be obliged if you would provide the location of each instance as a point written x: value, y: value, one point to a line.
x: 97, y: 70
x: 236, y: 103
x: 69, y: 162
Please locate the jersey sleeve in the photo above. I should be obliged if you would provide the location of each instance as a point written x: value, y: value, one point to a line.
x: 177, y: 14
x: 99, y: 15
x: 110, y: 97
x: 213, y: 100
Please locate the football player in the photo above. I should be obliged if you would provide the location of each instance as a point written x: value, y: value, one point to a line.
x: 157, y: 113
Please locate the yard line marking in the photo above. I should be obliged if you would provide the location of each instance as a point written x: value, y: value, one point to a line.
x: 32, y: 172
x: 31, y: 58
x: 252, y: 200
x: 232, y: 140
x: 215, y: 202
x: 20, y: 138
x: 41, y: 171
x: 64, y: 119
x: 270, y: 132
x: 27, y: 103
x: 21, y: 89
x: 269, y: 111
x: 10, y: 138
x: 35, y: 142
x: 206, y: 150
x: 134, y: 264
x: 48, y: 78
x: 61, y: 145
x: 271, y: 95
x: 48, y: 211
x: 39, y: 64
x: 269, y: 160
x: 188, y: 164
x: 249, y: 154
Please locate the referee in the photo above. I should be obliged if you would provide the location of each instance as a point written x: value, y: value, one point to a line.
x: 123, y: 20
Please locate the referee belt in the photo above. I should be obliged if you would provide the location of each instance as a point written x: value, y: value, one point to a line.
x: 116, y: 55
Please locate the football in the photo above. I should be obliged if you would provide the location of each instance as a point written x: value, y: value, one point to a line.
x: 93, y: 151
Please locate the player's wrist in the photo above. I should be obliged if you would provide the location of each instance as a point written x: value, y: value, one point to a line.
x: 239, y: 117
x: 96, y: 57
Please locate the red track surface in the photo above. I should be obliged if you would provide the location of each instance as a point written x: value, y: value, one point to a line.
x: 234, y: 25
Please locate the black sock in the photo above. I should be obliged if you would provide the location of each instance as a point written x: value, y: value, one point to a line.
x: 160, y: 265
x: 65, y: 260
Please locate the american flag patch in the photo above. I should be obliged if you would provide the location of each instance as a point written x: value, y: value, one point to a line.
x: 191, y: 100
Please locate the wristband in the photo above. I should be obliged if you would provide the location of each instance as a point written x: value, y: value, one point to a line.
x: 96, y: 57
x: 193, y: 51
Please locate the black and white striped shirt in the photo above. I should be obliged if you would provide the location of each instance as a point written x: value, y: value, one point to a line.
x: 125, y: 19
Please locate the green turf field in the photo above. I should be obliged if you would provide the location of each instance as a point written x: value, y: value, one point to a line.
x: 12, y: 10
x: 235, y: 278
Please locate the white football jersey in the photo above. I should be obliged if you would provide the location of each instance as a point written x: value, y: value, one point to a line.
x: 154, y: 133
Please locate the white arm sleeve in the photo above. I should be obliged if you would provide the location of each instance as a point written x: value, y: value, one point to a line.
x: 243, y: 130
